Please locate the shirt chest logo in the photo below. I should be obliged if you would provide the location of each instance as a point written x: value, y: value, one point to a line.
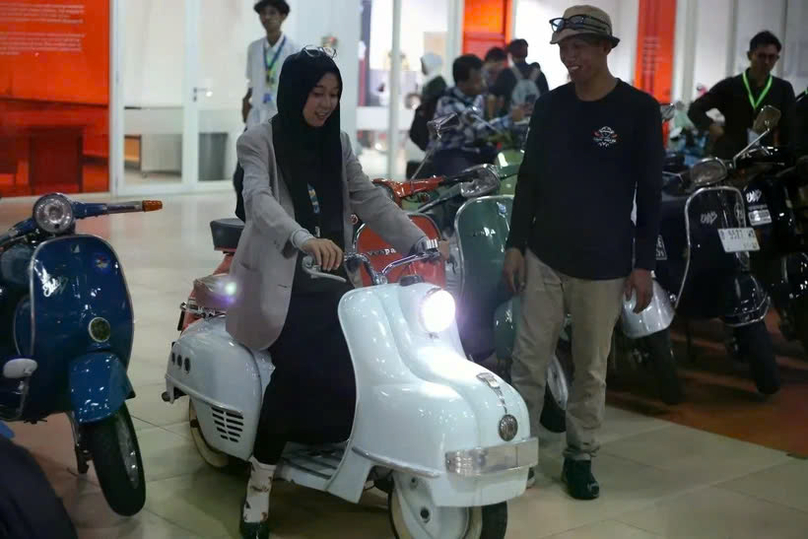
x: 605, y: 137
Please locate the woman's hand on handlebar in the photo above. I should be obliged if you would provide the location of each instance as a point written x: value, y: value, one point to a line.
x: 325, y: 252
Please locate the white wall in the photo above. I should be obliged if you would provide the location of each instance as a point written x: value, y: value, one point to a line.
x: 532, y: 24
x: 712, y: 31
x: 312, y: 20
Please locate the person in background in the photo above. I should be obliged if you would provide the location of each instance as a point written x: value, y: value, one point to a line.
x: 572, y: 248
x: 434, y: 83
x: 265, y: 57
x: 495, y: 63
x: 523, y: 83
x: 465, y: 145
x: 740, y: 99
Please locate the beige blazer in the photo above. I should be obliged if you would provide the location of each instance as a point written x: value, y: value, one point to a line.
x: 264, y: 264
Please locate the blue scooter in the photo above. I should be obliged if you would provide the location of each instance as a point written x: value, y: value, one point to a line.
x: 66, y: 338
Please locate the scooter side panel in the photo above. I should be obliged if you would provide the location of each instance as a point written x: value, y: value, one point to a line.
x: 481, y: 227
x: 226, y: 382
x: 98, y: 386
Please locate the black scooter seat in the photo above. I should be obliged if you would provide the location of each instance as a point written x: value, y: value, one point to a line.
x: 226, y: 233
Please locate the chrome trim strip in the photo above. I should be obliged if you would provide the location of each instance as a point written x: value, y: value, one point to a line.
x: 497, y: 459
x: 395, y: 465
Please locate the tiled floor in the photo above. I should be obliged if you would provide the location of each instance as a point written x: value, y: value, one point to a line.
x: 659, y: 479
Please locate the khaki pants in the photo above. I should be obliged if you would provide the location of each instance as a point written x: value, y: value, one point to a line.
x: 595, y: 307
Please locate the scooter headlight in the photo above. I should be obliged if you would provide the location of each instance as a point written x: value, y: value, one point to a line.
x: 485, y: 182
x: 437, y: 310
x: 54, y: 214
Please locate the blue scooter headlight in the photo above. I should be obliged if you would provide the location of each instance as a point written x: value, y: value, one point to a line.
x: 54, y: 214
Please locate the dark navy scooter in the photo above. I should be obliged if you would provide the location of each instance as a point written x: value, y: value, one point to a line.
x: 66, y: 338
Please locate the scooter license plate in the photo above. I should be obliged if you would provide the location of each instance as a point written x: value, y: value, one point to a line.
x: 737, y: 240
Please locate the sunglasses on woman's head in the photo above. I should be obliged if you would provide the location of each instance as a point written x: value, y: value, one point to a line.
x: 315, y: 52
x: 580, y: 22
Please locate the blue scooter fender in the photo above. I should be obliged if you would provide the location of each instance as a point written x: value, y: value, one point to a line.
x: 98, y: 386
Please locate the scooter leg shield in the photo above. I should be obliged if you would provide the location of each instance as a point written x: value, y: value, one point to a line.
x: 98, y: 386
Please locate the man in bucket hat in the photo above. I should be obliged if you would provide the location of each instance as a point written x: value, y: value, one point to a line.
x: 594, y: 143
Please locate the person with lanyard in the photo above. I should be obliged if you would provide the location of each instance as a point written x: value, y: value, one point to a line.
x: 302, y: 182
x: 265, y: 57
x: 572, y: 248
x: 740, y: 99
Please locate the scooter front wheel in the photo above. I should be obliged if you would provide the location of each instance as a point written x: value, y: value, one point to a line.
x: 118, y: 464
x: 409, y: 522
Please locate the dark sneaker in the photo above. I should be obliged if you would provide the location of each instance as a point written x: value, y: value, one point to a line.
x: 531, y: 479
x: 253, y: 530
x: 581, y: 484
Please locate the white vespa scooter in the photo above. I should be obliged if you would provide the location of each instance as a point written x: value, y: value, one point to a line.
x: 453, y: 437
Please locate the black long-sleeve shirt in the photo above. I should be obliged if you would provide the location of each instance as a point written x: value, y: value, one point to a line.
x: 731, y: 98
x: 584, y: 163
x: 802, y: 124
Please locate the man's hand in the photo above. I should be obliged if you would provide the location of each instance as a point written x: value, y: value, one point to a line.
x: 246, y: 106
x: 518, y: 113
x: 443, y: 247
x: 640, y: 281
x: 325, y: 252
x: 514, y: 270
x: 716, y: 132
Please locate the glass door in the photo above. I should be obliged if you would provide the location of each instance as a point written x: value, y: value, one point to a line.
x: 151, y: 58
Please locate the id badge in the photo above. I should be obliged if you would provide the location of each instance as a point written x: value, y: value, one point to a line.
x: 751, y: 136
x: 267, y: 98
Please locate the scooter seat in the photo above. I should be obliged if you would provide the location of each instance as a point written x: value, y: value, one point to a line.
x: 215, y: 292
x: 226, y: 233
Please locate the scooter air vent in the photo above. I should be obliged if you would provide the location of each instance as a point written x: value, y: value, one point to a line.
x: 229, y: 425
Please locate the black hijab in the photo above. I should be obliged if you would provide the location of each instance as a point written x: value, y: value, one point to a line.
x: 309, y: 157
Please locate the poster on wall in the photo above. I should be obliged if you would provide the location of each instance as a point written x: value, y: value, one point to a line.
x: 54, y: 96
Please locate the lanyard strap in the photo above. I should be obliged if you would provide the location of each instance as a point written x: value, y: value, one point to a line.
x: 271, y: 65
x: 756, y: 104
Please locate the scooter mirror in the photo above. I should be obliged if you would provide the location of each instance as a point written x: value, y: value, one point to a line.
x: 708, y: 172
x: 668, y: 111
x: 440, y: 125
x: 767, y: 119
x: 471, y: 116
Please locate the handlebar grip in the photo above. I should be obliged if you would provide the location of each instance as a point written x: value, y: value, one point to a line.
x: 152, y: 205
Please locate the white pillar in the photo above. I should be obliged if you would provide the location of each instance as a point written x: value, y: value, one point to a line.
x: 732, y: 38
x: 190, y: 99
x: 684, y: 61
x: 395, y: 91
x: 115, y: 163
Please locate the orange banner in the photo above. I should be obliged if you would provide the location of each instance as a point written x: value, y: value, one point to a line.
x: 655, y: 42
x: 54, y: 96
x: 486, y: 24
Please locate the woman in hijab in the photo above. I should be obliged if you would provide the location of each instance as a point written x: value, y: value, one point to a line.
x: 302, y: 182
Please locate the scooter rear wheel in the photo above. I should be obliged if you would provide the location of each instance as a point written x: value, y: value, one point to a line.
x: 487, y: 522
x: 213, y: 457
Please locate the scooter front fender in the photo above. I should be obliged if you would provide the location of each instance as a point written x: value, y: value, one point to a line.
x: 98, y: 386
x: 745, y: 300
